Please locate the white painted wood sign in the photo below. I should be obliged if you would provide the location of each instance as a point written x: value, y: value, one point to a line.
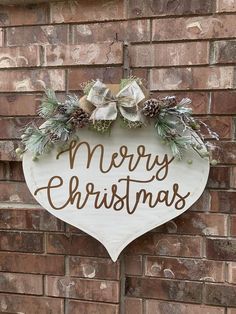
x: 116, y: 187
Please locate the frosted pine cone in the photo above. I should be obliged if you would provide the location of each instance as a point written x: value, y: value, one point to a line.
x: 79, y: 118
x: 62, y: 109
x: 151, y: 108
x: 170, y: 101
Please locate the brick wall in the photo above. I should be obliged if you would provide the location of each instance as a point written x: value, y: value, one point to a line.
x: 179, y: 47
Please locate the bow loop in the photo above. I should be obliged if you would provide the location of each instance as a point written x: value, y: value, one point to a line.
x: 107, y: 105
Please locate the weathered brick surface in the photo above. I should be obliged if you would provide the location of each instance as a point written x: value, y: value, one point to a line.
x: 31, y: 80
x: 18, y: 105
x: 220, y: 295
x: 96, y: 290
x: 46, y: 34
x: 33, y: 264
x: 21, y: 242
x: 133, y: 306
x: 221, y: 249
x: 29, y: 219
x: 12, y: 303
x: 78, y: 307
x: 225, y: 5
x: 75, y: 244
x: 107, y: 74
x: 199, y: 27
x: 169, y: 54
x: 105, y: 53
x: 192, y: 78
x: 16, y: 15
x: 159, y: 307
x: 133, y: 31
x: 82, y: 11
x: 170, y: 245
x: 139, y: 8
x: 184, y: 268
x: 17, y: 57
x: 88, y: 267
x: 184, y: 48
x: 163, y: 289
x: 223, y: 201
x: 21, y: 283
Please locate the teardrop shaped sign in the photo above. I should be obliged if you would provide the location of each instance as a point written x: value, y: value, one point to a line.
x: 116, y: 187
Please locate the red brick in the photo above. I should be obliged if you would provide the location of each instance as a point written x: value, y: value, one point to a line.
x: 133, y: 265
x: 133, y: 306
x: 47, y: 34
x: 86, y: 54
x: 15, y: 171
x: 162, y: 244
x: 163, y: 289
x: 233, y: 225
x: 221, y: 249
x: 16, y: 15
x: 225, y: 152
x: 184, y: 268
x: 28, y: 304
x: 11, y: 128
x: 224, y: 51
x: 16, y: 57
x: 78, y: 76
x: 169, y: 54
x: 233, y: 177
x: 202, y: 204
x: 231, y: 311
x: 199, y: 27
x: 225, y: 5
x: 192, y: 78
x: 7, y: 150
x: 74, y: 244
x: 18, y: 104
x: 138, y: 8
x: 220, y: 295
x: 221, y: 125
x: 85, y: 289
x: 16, y: 192
x: 198, y: 223
x: 1, y: 37
x: 160, y: 307
x: 84, y: 11
x: 223, y: 102
x: 29, y: 219
x: 32, y: 263
x: 232, y: 272
x: 219, y: 177
x: 87, y: 267
x: 31, y: 80
x: 132, y: 31
x: 21, y: 283
x: 223, y: 201
x: 141, y: 73
x: 82, y: 307
x: 21, y: 242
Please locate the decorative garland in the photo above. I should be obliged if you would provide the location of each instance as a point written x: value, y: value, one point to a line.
x: 101, y: 106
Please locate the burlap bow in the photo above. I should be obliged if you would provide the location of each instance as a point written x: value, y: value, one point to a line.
x: 107, y: 105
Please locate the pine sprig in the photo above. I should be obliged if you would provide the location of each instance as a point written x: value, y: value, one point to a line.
x: 49, y: 104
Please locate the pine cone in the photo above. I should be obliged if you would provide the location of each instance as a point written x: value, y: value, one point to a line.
x: 151, y: 108
x: 79, y: 118
x: 61, y: 109
x: 54, y: 137
x: 170, y: 101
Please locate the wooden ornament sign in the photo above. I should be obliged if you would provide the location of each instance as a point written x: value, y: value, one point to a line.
x: 116, y: 187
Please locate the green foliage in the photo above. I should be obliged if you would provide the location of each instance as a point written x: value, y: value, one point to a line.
x: 49, y: 104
